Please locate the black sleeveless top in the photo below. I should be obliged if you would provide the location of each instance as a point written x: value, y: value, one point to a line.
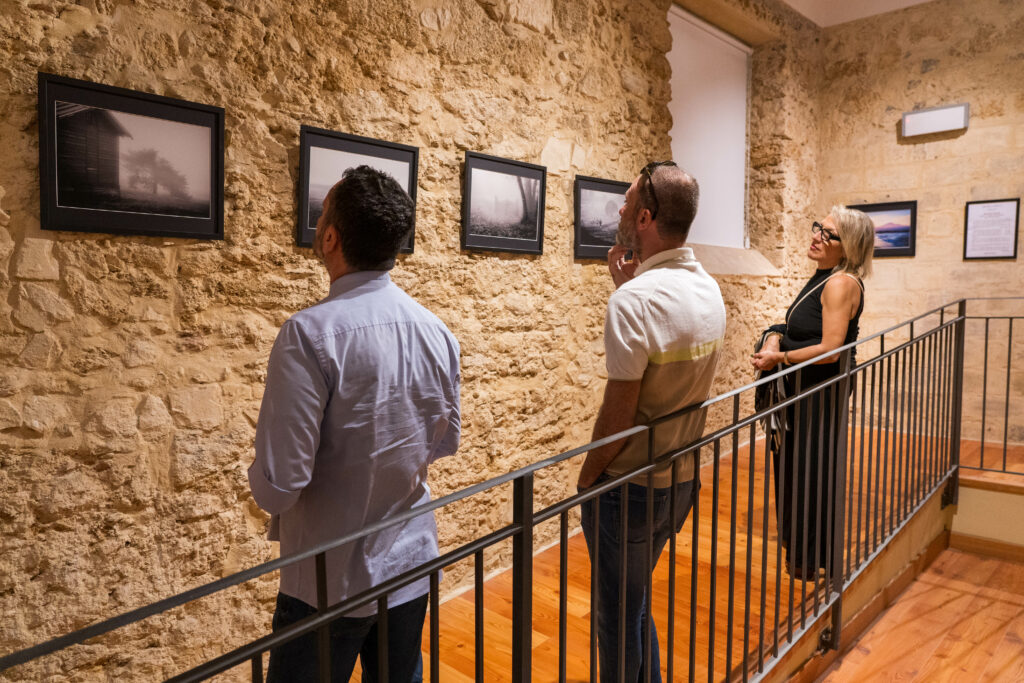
x: 803, y: 322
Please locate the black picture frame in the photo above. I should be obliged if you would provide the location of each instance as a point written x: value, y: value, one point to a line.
x: 998, y: 256
x: 895, y: 227
x: 503, y: 205
x: 125, y: 162
x: 324, y: 155
x: 595, y: 220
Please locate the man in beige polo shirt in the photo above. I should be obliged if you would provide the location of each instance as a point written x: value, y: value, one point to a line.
x: 663, y: 334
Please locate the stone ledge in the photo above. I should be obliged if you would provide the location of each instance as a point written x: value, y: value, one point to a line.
x: 733, y: 261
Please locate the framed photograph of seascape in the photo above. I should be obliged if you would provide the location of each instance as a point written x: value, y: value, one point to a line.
x: 503, y: 205
x: 325, y: 155
x: 990, y: 229
x: 596, y: 208
x: 126, y: 162
x: 895, y: 227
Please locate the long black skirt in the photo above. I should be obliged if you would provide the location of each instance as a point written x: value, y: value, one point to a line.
x: 805, y: 468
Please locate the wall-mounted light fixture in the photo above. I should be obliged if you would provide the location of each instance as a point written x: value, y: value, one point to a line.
x: 936, y: 120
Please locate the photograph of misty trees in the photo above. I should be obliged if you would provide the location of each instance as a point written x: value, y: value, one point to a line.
x: 112, y: 161
x: 503, y: 205
x: 599, y: 217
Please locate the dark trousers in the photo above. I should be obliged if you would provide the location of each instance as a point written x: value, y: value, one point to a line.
x: 609, y: 507
x: 351, y: 637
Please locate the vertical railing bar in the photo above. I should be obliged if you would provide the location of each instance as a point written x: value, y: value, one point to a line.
x: 257, y: 667
x: 1006, y: 407
x: 623, y: 556
x: 594, y: 595
x: 713, y: 592
x: 733, y: 505
x: 649, y: 556
x: 896, y: 512
x: 435, y: 621
x: 947, y: 426
x: 382, y: 638
x: 850, y: 489
x: 860, y: 465
x: 924, y: 470
x: 823, y: 495
x: 751, y: 460
x: 889, y: 423
x: 914, y: 352
x: 932, y: 410
x: 779, y: 464
x: 878, y: 508
x: 323, y: 637
x: 798, y: 438
x: 768, y: 474
x: 522, y: 577
x: 839, y: 474
x: 563, y: 588
x: 958, y: 397
x: 806, y: 476
x: 478, y: 618
x: 672, y: 512
x: 984, y: 395
x: 694, y: 553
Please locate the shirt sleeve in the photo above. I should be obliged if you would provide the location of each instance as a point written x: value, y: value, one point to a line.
x: 625, y: 342
x: 446, y: 442
x: 288, y: 429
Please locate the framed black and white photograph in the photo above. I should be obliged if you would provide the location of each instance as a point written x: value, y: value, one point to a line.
x: 503, y: 205
x: 597, y: 203
x: 990, y: 229
x: 125, y: 162
x: 325, y: 155
x: 895, y: 227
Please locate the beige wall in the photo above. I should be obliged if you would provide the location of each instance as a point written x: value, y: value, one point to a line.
x: 131, y: 369
x: 941, y: 52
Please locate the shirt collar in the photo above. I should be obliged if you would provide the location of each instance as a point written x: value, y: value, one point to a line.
x: 350, y: 281
x: 682, y: 254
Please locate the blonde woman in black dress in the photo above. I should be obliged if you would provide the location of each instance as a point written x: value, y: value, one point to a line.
x: 823, y: 317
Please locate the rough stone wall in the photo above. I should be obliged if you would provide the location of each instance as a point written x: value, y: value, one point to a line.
x: 132, y: 368
x: 942, y: 52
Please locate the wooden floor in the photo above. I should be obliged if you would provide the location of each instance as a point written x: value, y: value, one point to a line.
x: 720, y: 636
x: 961, y: 620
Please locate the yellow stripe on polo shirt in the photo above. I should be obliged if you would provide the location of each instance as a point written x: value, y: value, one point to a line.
x: 689, y: 353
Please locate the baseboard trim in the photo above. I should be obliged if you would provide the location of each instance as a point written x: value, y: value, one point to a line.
x: 987, y: 546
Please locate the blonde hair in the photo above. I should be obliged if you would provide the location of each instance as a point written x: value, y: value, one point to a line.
x: 857, y: 235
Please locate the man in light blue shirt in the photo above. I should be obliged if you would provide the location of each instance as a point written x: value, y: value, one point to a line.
x: 362, y: 394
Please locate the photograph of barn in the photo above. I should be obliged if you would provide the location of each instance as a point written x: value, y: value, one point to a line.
x: 109, y: 160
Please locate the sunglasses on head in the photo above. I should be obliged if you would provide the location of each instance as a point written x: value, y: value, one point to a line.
x: 647, y: 171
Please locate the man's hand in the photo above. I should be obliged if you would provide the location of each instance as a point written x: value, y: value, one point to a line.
x: 621, y: 269
x: 618, y: 413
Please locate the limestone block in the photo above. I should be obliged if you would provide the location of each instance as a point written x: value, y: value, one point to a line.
x: 557, y: 155
x: 35, y: 261
x: 535, y: 14
x: 12, y: 380
x: 43, y: 414
x: 436, y: 18
x: 60, y: 497
x: 38, y: 307
x: 197, y: 407
x: 42, y: 350
x: 153, y: 415
x: 140, y: 352
x: 114, y: 418
x: 10, y: 416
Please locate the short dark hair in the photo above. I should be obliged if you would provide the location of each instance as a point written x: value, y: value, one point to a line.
x: 678, y: 194
x: 373, y: 216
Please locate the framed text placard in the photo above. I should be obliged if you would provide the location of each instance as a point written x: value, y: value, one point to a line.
x: 127, y: 162
x: 990, y: 229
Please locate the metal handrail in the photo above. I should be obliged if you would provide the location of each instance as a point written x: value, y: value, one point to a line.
x: 138, y: 614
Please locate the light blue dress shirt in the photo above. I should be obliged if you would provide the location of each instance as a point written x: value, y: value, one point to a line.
x: 362, y: 394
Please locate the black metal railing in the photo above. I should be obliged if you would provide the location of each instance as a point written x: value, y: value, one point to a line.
x: 885, y: 433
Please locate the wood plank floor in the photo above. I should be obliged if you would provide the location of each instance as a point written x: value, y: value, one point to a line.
x: 961, y: 620
x: 720, y: 636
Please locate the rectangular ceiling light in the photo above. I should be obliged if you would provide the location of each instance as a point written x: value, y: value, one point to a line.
x: 935, y: 120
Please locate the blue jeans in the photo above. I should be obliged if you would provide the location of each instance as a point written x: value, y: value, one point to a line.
x: 351, y: 637
x: 610, y: 549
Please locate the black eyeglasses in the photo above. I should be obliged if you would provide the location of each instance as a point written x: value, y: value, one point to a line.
x: 826, y: 234
x: 647, y: 171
